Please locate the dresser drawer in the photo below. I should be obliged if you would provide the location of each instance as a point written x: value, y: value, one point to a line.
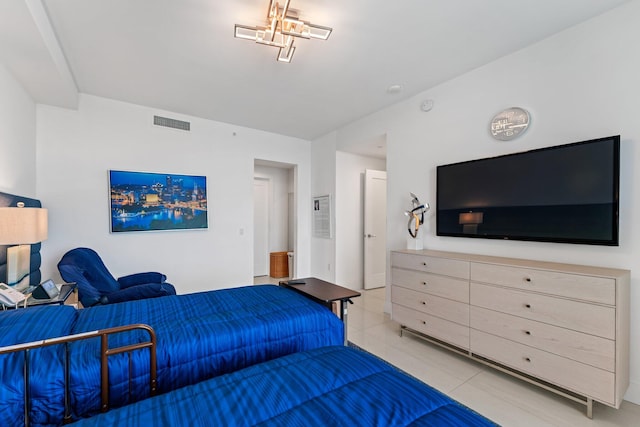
x: 443, y: 286
x: 576, y: 286
x: 431, y: 304
x: 447, y: 267
x: 566, y: 373
x: 436, y: 327
x: 579, y: 316
x: 584, y: 348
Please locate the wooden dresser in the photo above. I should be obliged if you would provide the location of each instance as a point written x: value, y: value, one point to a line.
x: 563, y: 327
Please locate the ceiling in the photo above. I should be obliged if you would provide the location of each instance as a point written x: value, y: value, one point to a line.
x: 181, y: 56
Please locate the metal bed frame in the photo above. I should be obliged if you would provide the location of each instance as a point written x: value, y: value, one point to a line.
x: 105, y: 352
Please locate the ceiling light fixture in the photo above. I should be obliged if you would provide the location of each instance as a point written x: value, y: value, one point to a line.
x: 283, y: 26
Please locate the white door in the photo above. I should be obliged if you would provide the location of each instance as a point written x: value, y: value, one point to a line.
x: 375, y: 228
x: 260, y: 227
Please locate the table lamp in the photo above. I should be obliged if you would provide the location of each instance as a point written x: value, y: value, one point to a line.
x: 21, y: 226
x: 470, y: 221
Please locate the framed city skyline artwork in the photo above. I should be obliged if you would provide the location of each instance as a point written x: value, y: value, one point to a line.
x: 144, y: 201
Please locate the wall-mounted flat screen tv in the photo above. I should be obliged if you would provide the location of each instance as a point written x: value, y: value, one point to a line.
x: 566, y: 194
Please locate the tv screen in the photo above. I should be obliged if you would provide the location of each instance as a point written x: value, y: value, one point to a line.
x: 567, y: 194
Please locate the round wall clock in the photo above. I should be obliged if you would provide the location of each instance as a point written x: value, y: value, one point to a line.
x: 510, y: 123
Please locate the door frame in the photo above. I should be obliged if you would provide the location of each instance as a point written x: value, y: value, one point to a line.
x: 266, y: 213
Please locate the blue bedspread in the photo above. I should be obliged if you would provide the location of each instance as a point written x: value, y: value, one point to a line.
x: 47, y: 368
x: 199, y: 336
x: 331, y: 386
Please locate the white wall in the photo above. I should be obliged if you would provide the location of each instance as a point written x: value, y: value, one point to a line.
x: 17, y: 137
x: 349, y: 208
x: 291, y: 212
x: 77, y: 148
x: 278, y: 209
x: 580, y: 84
x: 323, y: 182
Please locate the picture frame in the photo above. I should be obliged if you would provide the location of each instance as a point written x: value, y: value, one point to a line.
x: 148, y: 201
x: 321, y: 210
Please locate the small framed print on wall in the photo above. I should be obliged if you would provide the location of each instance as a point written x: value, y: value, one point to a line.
x: 322, y: 216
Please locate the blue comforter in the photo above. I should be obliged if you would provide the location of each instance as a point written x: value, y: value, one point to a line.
x: 199, y: 336
x: 331, y: 386
x: 47, y: 366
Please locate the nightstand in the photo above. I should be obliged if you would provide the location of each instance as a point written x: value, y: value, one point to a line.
x: 68, y: 295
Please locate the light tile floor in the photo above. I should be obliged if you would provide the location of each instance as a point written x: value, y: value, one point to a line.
x: 500, y: 397
x: 260, y: 280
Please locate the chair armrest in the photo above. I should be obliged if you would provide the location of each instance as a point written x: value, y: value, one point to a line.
x: 149, y: 290
x: 87, y: 294
x: 141, y: 279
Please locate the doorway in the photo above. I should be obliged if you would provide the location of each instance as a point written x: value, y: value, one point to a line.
x: 349, y: 217
x: 274, y: 216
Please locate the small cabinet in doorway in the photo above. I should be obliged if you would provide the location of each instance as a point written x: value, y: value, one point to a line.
x: 279, y: 264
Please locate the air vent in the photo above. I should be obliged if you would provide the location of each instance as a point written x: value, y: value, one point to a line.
x: 171, y: 123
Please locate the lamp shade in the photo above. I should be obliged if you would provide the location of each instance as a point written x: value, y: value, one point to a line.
x: 470, y: 218
x: 19, y: 226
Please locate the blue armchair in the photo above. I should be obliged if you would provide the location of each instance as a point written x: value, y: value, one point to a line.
x: 97, y: 286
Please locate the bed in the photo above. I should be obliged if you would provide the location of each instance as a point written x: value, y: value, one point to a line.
x: 199, y: 336
x: 324, y: 387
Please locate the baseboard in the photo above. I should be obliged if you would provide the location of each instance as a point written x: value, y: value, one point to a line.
x: 633, y: 393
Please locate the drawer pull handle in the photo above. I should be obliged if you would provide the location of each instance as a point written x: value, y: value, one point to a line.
x: 424, y: 322
x: 424, y: 303
x: 527, y: 279
x: 527, y: 359
x: 527, y: 332
x: 527, y: 305
x: 424, y: 283
x: 424, y: 263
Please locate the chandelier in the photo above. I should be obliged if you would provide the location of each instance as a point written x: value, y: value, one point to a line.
x: 281, y: 29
